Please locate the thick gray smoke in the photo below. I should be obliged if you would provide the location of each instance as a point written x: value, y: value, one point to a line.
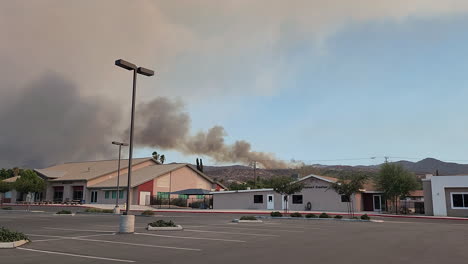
x: 162, y: 123
x: 49, y: 122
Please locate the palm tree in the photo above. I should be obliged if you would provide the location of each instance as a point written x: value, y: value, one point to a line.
x: 155, y: 155
x: 162, y: 159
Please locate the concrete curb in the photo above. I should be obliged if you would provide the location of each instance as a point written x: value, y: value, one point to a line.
x: 72, y: 214
x: 13, y: 244
x: 177, y: 228
x: 86, y: 213
x: 246, y: 221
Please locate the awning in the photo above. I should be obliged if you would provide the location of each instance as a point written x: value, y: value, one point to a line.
x: 193, y: 192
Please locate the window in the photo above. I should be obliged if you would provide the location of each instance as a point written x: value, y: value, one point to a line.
x: 183, y: 196
x: 77, y: 192
x: 114, y: 194
x: 344, y: 199
x: 258, y: 198
x: 58, y: 193
x: 200, y: 196
x: 106, y: 195
x: 459, y: 200
x: 163, y: 195
x: 121, y: 193
x: 297, y: 199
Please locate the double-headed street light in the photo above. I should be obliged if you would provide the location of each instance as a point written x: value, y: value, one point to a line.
x: 120, y: 144
x: 127, y: 223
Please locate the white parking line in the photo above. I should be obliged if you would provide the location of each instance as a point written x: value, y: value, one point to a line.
x: 221, y: 232
x: 82, y: 230
x: 75, y: 255
x: 198, y: 238
x: 64, y: 237
x: 253, y: 228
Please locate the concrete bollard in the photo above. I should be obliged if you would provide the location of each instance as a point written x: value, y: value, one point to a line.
x: 127, y: 224
x: 116, y: 210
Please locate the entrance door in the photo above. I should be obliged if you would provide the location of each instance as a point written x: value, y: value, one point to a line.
x: 377, y: 202
x: 144, y: 198
x: 284, y: 202
x: 94, y: 197
x: 270, y: 202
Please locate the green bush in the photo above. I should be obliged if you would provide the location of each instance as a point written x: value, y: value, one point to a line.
x: 11, y: 236
x: 7, y: 208
x: 311, y: 216
x: 162, y: 223
x: 147, y: 213
x: 355, y: 217
x: 276, y: 214
x: 324, y: 215
x: 98, y: 210
x: 64, y: 212
x: 338, y: 216
x: 365, y: 217
x: 296, y: 214
x: 248, y: 217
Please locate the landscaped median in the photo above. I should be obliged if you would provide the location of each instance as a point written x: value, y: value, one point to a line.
x: 161, y: 225
x: 12, y: 239
x: 322, y: 216
x: 64, y: 212
x: 247, y: 219
x: 97, y: 211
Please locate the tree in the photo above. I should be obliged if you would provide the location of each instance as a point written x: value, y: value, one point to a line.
x: 201, y: 165
x: 286, y: 186
x: 155, y: 155
x: 29, y: 182
x: 349, y: 186
x: 395, y: 182
x: 198, y: 164
x: 162, y: 159
x: 4, y: 187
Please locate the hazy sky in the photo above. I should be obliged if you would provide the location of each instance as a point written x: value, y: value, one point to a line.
x: 305, y: 80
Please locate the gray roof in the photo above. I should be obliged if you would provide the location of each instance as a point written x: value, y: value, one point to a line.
x: 85, y: 170
x: 145, y: 174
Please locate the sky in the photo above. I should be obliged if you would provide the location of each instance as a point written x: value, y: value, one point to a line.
x: 331, y: 83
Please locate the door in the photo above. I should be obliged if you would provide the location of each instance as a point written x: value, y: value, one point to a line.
x: 284, y: 202
x: 377, y: 202
x: 270, y: 202
x: 94, y: 197
x: 144, y: 198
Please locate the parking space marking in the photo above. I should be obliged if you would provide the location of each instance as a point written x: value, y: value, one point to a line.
x: 135, y: 244
x: 76, y: 255
x: 81, y: 230
x: 65, y: 237
x: 197, y: 238
x: 253, y: 228
x: 222, y: 232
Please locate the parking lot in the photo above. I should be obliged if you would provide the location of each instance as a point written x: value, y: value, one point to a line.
x: 213, y: 238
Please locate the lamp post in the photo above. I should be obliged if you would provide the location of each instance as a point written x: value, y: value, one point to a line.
x: 127, y: 223
x: 120, y: 144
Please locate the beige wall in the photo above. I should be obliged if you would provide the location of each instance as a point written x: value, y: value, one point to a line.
x: 181, y: 179
x: 448, y: 200
x: 427, y: 191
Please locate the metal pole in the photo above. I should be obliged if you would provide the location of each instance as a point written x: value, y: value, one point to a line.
x: 118, y: 180
x: 255, y: 174
x: 130, y: 154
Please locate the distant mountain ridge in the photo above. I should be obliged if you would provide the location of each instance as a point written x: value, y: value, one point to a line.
x: 243, y: 173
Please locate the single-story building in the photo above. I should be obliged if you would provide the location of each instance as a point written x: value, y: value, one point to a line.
x: 446, y: 195
x: 317, y: 195
x: 96, y: 181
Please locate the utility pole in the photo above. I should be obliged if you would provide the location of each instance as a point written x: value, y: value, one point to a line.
x: 255, y: 174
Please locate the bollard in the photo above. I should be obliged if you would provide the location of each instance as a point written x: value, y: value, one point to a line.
x: 127, y: 224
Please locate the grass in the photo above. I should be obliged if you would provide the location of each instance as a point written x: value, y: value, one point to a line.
x: 296, y: 214
x: 162, y: 223
x: 324, y: 215
x: 147, y: 213
x: 338, y: 216
x: 98, y: 210
x: 64, y: 212
x: 311, y: 216
x: 276, y: 214
x: 7, y: 208
x: 365, y: 217
x: 248, y: 217
x: 11, y: 236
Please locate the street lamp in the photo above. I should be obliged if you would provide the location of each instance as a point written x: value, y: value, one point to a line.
x: 120, y: 144
x: 127, y: 223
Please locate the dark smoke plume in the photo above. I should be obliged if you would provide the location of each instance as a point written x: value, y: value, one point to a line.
x: 49, y: 122
x: 162, y: 123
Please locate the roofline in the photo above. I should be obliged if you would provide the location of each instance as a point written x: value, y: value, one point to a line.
x: 58, y: 179
x: 317, y: 177
x: 244, y: 191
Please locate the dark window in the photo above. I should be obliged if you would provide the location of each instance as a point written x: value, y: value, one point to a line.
x: 297, y: 199
x: 258, y: 198
x: 457, y: 200
x: 344, y: 199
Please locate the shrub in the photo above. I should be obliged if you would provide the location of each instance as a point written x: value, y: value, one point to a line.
x: 98, y: 210
x: 276, y: 214
x: 180, y: 202
x: 162, y: 223
x: 355, y: 217
x: 64, y: 212
x: 248, y: 217
x: 296, y: 214
x: 11, y: 236
x: 365, y: 217
x: 311, y: 216
x: 324, y: 215
x: 7, y: 208
x: 338, y: 216
x: 147, y: 213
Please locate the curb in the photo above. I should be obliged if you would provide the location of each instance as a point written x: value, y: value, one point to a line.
x: 13, y: 244
x: 177, y: 228
x: 246, y: 221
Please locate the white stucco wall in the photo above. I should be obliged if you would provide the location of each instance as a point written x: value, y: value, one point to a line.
x: 438, y: 185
